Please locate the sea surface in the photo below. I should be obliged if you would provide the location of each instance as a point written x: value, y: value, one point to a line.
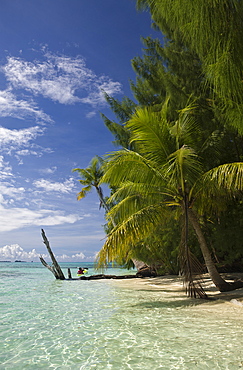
x: 51, y: 324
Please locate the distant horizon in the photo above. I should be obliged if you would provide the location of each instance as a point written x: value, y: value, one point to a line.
x: 48, y: 260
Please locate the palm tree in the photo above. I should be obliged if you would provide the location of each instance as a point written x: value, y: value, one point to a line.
x: 90, y: 178
x: 162, y: 178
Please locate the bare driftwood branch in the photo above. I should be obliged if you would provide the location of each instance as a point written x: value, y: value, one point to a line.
x: 49, y: 267
x: 69, y: 273
x: 55, y: 268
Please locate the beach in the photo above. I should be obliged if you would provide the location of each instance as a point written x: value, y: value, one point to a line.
x: 172, y: 287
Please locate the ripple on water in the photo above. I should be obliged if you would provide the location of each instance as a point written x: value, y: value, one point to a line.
x: 95, y: 325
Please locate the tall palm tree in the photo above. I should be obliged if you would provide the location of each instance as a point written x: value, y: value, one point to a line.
x: 162, y: 177
x: 90, y: 178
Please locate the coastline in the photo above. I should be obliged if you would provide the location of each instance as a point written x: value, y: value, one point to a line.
x: 171, y: 287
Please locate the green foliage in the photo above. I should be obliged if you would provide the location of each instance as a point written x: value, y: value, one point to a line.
x: 225, y: 234
x: 123, y: 111
x: 148, y: 181
x: 213, y: 30
x: 180, y: 140
x: 90, y: 178
x: 158, y: 181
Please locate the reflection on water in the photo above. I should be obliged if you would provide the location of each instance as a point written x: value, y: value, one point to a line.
x: 103, y: 325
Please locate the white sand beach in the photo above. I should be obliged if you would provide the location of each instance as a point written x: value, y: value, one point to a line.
x: 172, y: 288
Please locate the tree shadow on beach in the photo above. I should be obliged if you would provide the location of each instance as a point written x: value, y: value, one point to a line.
x: 173, y: 302
x: 162, y: 290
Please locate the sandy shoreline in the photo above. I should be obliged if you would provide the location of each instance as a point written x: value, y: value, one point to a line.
x: 172, y: 286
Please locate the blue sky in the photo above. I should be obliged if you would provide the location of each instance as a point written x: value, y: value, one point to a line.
x: 56, y: 58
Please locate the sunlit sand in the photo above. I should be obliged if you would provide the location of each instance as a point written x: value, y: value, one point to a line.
x: 172, y: 287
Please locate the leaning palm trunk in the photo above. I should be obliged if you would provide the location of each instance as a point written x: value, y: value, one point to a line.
x: 220, y: 283
x: 103, y: 202
x: 191, y: 268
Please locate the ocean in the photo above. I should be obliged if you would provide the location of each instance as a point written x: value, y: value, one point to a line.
x: 102, y: 324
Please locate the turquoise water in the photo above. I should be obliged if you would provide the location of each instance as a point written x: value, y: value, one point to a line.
x: 50, y: 324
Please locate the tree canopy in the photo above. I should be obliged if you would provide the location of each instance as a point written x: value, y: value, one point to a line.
x: 213, y: 30
x: 177, y: 175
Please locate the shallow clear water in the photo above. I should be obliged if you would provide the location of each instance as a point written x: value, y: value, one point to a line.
x: 103, y: 325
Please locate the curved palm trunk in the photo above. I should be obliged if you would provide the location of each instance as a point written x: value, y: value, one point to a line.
x: 188, y: 262
x: 220, y: 283
x: 103, y: 202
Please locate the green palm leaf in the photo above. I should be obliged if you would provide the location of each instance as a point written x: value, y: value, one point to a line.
x: 228, y: 176
x: 82, y: 194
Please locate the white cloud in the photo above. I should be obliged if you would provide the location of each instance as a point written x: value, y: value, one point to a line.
x: 10, y: 106
x: 9, y: 190
x: 16, y: 218
x: 48, y: 171
x: 14, y: 252
x: 5, y: 169
x: 104, y: 84
x: 90, y: 114
x: 48, y: 186
x: 78, y: 256
x: 75, y: 257
x: 15, y: 139
x: 60, y: 78
x: 64, y: 257
x: 26, y: 152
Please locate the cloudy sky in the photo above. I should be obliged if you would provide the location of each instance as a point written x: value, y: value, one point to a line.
x: 56, y: 59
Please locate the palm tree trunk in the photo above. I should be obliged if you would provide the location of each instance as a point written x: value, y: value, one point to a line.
x: 192, y: 279
x: 220, y: 283
x: 103, y: 202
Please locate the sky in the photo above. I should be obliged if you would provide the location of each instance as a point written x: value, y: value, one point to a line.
x: 56, y: 59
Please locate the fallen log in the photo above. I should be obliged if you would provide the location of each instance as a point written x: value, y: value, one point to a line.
x: 102, y: 276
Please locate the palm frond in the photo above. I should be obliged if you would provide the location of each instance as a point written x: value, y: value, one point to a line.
x: 218, y: 185
x: 82, y: 194
x: 126, y: 165
x: 151, y: 133
x: 134, y: 203
x: 129, y: 232
x: 228, y: 176
x: 187, y: 127
x: 153, y: 192
x: 183, y: 167
x: 85, y: 175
